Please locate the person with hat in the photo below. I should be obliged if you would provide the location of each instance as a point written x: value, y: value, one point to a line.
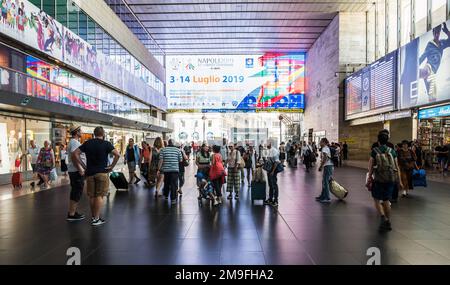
x: 234, y: 180
x: 76, y: 180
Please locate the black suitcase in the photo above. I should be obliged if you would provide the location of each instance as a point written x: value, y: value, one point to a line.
x: 119, y: 180
x: 258, y: 191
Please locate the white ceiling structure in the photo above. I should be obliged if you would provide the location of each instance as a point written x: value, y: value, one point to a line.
x: 238, y: 27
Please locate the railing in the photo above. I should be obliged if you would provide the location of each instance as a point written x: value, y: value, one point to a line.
x: 21, y: 83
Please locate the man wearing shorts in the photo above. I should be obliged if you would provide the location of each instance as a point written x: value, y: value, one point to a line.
x: 383, y: 178
x: 97, y: 171
x: 76, y: 180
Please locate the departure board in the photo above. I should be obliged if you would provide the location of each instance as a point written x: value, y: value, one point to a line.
x: 372, y: 90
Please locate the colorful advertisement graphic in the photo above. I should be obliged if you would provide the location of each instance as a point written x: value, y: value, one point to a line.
x: 23, y: 21
x: 425, y: 69
x: 236, y: 82
x: 26, y: 23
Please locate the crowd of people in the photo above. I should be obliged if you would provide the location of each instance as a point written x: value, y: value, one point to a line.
x: 220, y: 168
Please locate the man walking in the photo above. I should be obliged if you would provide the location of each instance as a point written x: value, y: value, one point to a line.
x: 76, y: 180
x: 97, y: 151
x: 385, y: 174
x: 169, y: 163
x: 327, y: 166
x: 273, y: 160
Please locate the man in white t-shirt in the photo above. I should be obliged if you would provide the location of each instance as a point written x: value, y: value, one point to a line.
x: 327, y: 166
x: 33, y: 151
x: 76, y: 179
x: 273, y: 156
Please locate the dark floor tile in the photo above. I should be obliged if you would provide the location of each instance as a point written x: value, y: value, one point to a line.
x: 229, y: 257
x: 287, y: 258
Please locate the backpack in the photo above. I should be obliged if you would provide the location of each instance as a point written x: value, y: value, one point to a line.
x: 385, y: 171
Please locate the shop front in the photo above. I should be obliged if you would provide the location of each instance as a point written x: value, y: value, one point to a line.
x: 434, y: 131
x: 17, y: 130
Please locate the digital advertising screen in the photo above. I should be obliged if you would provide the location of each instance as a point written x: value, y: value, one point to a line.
x: 225, y: 83
x: 425, y: 69
x: 372, y: 90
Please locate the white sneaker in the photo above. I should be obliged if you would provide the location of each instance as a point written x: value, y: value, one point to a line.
x: 216, y: 202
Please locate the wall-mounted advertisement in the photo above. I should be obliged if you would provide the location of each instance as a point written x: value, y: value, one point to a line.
x: 236, y: 82
x: 425, y: 69
x: 25, y: 22
x: 372, y: 90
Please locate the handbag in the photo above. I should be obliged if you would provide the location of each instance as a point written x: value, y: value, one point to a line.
x: 279, y: 168
x: 53, y: 175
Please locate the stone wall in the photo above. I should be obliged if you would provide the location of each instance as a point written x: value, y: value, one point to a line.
x: 322, y: 100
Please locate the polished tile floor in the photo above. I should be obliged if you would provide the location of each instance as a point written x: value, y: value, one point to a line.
x: 142, y: 230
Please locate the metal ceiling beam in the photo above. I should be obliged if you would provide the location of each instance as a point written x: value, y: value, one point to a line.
x: 362, y: 2
x: 234, y: 19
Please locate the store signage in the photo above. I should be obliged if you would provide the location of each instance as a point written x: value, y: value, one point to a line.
x: 441, y: 111
x: 320, y: 134
x: 367, y: 120
x: 219, y: 83
x: 398, y: 115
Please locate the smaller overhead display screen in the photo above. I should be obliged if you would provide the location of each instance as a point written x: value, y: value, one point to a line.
x: 372, y: 90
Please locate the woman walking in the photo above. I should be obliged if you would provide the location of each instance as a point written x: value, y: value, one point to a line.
x: 217, y: 172
x: 145, y: 156
x: 202, y: 160
x: 154, y: 177
x: 407, y: 163
x: 183, y: 164
x: 45, y: 163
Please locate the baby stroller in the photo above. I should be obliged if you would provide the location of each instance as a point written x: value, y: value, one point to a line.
x: 205, y: 190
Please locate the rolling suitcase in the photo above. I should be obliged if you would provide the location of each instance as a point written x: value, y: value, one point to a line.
x: 258, y: 191
x: 338, y: 190
x: 16, y: 180
x: 119, y: 180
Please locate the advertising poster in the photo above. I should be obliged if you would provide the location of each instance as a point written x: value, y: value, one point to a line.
x: 23, y: 21
x: 26, y: 23
x: 236, y: 82
x: 425, y: 69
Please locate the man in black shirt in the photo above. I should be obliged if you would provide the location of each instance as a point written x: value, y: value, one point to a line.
x: 97, y: 151
x: 345, y: 150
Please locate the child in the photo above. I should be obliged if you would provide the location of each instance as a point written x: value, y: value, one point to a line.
x: 207, y: 189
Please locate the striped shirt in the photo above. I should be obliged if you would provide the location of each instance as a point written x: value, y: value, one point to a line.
x: 171, y: 157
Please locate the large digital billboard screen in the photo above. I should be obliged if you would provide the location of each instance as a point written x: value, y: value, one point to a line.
x: 372, y: 90
x: 236, y: 82
x: 425, y: 69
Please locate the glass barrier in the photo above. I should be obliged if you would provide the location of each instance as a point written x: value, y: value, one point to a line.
x: 17, y: 82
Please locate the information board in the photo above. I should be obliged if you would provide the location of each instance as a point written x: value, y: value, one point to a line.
x: 372, y: 90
